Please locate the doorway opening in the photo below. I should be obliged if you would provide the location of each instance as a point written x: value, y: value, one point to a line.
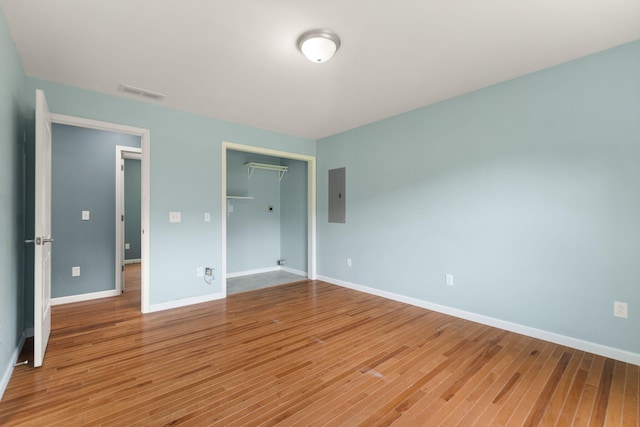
x: 250, y: 162
x: 128, y: 216
x: 142, y: 154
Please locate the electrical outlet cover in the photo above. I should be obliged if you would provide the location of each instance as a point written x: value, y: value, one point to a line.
x: 449, y: 279
x: 620, y: 309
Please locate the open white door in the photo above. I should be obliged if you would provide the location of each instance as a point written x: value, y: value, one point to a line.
x: 42, y: 241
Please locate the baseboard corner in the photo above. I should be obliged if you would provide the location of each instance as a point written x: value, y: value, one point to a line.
x: 8, y: 371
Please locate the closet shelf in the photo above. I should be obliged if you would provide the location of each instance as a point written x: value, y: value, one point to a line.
x: 280, y: 169
x: 240, y: 197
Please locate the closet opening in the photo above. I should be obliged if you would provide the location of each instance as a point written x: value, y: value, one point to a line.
x: 268, y: 218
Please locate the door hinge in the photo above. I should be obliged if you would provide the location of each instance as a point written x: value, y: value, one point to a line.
x: 123, y: 268
x: 121, y: 217
x: 122, y: 168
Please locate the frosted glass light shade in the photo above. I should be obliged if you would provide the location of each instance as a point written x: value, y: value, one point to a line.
x: 319, y: 45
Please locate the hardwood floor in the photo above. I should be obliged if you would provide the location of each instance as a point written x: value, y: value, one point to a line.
x: 307, y: 353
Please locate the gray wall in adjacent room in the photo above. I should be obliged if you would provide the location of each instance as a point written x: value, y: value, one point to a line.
x: 132, y: 198
x: 83, y: 178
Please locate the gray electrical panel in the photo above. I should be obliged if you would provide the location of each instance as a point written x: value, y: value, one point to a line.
x: 337, y: 195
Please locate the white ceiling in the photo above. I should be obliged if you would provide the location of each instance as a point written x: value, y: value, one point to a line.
x: 237, y: 60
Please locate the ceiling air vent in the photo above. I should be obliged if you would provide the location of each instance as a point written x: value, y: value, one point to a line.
x: 141, y: 92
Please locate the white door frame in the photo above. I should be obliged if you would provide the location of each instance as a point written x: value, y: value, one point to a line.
x: 145, y: 143
x: 122, y: 152
x: 311, y: 202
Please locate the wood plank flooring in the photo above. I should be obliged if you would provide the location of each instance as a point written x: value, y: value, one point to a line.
x: 307, y: 353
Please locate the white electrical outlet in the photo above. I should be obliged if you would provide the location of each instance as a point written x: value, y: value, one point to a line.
x: 127, y: 246
x: 620, y: 309
x: 86, y: 215
x: 200, y: 272
x: 175, y: 217
x: 348, y: 262
x: 448, y: 279
x: 75, y: 271
x: 207, y: 217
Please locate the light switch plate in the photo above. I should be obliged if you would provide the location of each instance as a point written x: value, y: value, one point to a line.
x: 86, y: 215
x: 75, y: 271
x: 175, y: 217
x: 127, y: 246
x: 207, y: 217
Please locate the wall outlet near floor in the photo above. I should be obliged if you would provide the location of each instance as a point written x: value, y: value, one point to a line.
x: 281, y: 261
x: 620, y: 309
x: 448, y: 279
x: 175, y: 217
x: 348, y: 262
x: 127, y: 246
x: 75, y: 271
x: 200, y: 272
x: 208, y: 275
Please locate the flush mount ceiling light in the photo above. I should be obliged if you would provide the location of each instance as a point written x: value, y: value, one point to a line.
x: 319, y: 45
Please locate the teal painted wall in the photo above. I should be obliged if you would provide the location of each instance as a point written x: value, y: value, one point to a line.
x: 132, y: 203
x: 253, y: 232
x: 526, y: 191
x: 83, y: 178
x: 294, y: 215
x: 186, y: 176
x: 12, y: 232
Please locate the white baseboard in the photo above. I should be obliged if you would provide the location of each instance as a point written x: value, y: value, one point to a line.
x: 294, y: 271
x: 133, y: 261
x: 599, y: 349
x: 8, y: 371
x: 84, y: 297
x: 254, y: 271
x: 186, y: 301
